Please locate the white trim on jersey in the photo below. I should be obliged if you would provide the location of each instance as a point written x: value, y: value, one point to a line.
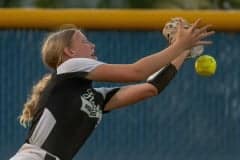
x: 78, y: 65
x: 105, y: 90
x: 43, y: 128
x: 31, y: 152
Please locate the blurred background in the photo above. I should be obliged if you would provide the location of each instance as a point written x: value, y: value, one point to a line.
x: 184, y: 4
x: 194, y: 118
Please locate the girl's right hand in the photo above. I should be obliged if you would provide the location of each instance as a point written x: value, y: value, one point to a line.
x: 193, y: 36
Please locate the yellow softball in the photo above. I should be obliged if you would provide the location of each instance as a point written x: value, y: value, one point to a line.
x: 205, y: 65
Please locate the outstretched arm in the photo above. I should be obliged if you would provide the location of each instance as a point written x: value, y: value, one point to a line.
x: 141, y: 69
x: 135, y: 93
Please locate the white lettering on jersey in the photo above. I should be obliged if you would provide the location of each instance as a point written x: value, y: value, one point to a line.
x: 89, y: 106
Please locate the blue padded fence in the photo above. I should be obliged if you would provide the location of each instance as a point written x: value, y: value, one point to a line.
x: 194, y: 118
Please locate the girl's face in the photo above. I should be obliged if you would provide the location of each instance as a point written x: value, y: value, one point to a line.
x: 81, y: 47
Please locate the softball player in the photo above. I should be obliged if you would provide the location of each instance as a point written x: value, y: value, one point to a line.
x: 64, y: 108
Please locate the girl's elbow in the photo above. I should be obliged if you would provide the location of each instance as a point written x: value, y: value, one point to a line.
x: 152, y: 91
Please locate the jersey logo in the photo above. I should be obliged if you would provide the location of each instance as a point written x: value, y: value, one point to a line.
x: 89, y: 106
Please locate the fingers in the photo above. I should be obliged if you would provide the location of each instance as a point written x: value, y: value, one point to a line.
x: 202, y: 33
x: 206, y: 34
x: 205, y: 28
x: 194, y: 35
x: 203, y: 43
x: 195, y: 24
x: 180, y: 26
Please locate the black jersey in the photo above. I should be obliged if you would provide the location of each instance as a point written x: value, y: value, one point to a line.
x: 69, y: 110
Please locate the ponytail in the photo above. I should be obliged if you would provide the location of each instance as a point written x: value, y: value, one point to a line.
x: 30, y: 108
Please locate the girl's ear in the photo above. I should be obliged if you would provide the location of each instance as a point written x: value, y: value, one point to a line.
x: 68, y: 52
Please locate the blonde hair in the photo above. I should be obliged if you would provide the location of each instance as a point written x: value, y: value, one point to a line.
x: 52, y: 57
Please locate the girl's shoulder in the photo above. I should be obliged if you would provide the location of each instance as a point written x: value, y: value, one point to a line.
x: 78, y: 65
